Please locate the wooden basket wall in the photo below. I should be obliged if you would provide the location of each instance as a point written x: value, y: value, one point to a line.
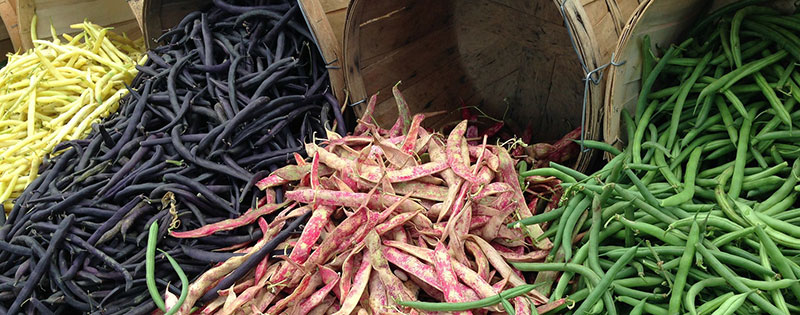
x: 664, y: 21
x: 62, y: 14
x: 496, y: 55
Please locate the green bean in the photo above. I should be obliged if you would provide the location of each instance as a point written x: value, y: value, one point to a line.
x: 569, y: 226
x: 688, y: 189
x: 761, y: 136
x: 724, y: 34
x: 726, y: 238
x: 789, y: 214
x: 697, y: 130
x: 783, y: 79
x: 522, y: 167
x: 599, y: 145
x: 648, y: 308
x: 727, y: 80
x: 773, y: 152
x: 656, y: 146
x: 184, y: 283
x: 566, y: 267
x: 648, y: 60
x: 727, y: 119
x: 643, y: 167
x: 604, y: 283
x: 730, y: 277
x: 777, y: 258
x: 507, y: 306
x: 779, y: 35
x: 769, y: 285
x: 665, y: 170
x: 738, y: 261
x: 668, y: 237
x: 646, y: 194
x: 773, y: 100
x: 706, y: 108
x: 712, y: 305
x: 638, y: 202
x: 777, y: 296
x: 772, y: 182
x: 643, y: 119
x: 736, y: 25
x: 787, y: 135
x: 756, y: 154
x: 721, y: 152
x: 736, y: 102
x: 782, y: 205
x: 539, y: 218
x: 648, y: 82
x: 716, y: 144
x: 689, y: 299
x: 546, y: 172
x: 150, y: 266
x: 682, y: 94
x: 562, y: 221
x: 639, y: 307
x: 708, y: 18
x: 732, y: 304
x: 630, y: 125
x: 683, y: 268
x: 638, y: 294
x: 639, y: 282
x: 778, y: 224
x: 715, y: 171
x: 767, y: 172
x: 783, y: 191
x: 699, y: 142
x: 741, y: 151
x: 463, y: 306
x: 597, y: 223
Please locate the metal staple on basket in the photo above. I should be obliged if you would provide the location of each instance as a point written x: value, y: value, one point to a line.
x: 593, y: 76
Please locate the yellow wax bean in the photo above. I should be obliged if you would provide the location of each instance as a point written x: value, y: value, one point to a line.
x: 47, y: 64
x: 54, y: 92
x: 31, y: 109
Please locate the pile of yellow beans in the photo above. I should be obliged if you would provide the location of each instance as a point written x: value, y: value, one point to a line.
x: 54, y: 92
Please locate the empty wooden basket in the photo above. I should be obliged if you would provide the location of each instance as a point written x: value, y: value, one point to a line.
x: 511, y: 57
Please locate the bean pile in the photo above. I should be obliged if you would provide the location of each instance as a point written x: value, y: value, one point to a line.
x: 696, y: 213
x: 396, y: 215
x: 232, y: 93
x: 53, y: 93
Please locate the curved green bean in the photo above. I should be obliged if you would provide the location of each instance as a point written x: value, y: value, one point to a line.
x: 150, y: 266
x: 184, y: 284
x: 688, y: 187
x: 605, y: 282
x: 463, y: 306
x: 683, y: 269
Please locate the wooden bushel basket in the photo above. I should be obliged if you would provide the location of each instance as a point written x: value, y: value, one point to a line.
x: 62, y: 14
x: 664, y: 21
x: 325, y: 18
x: 501, y: 56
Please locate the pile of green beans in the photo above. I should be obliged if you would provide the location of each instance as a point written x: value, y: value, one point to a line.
x: 698, y: 214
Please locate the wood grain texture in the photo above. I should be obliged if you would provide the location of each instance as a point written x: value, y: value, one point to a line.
x: 63, y: 13
x: 10, y: 33
x: 330, y: 46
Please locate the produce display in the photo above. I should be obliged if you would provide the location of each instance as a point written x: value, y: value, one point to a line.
x: 217, y: 174
x: 54, y: 92
x: 399, y: 215
x: 228, y: 95
x: 696, y: 214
